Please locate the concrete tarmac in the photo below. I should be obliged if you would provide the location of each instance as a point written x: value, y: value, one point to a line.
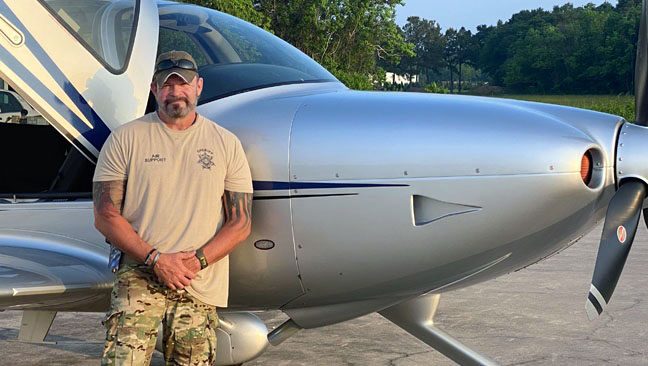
x: 535, y: 316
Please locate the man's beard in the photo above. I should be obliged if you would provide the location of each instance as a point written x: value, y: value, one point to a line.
x: 177, y: 110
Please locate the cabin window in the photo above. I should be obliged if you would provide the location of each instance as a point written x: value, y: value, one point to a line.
x: 172, y: 40
x: 105, y: 28
x: 37, y: 162
x: 233, y: 56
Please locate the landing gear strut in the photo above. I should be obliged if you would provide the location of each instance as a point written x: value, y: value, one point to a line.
x: 416, y: 316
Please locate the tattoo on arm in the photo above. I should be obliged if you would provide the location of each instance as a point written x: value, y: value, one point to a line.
x: 238, y: 206
x: 106, y: 194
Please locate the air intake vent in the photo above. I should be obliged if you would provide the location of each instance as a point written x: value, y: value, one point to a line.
x: 428, y: 210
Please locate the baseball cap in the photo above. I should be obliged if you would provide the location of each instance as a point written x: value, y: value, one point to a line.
x: 178, y: 63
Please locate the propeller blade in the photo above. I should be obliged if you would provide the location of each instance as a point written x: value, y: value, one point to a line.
x: 641, y: 70
x: 621, y: 222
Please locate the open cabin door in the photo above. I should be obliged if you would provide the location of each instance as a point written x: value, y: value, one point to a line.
x: 84, y: 65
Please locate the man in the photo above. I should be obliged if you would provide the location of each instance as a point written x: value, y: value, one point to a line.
x: 160, y: 186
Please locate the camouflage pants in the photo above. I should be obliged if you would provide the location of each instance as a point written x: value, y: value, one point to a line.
x: 139, y: 303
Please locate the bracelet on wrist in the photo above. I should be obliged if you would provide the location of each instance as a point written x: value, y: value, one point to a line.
x: 148, y: 256
x: 155, y: 259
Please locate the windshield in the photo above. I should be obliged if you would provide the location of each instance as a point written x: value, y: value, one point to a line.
x: 105, y: 27
x: 233, y: 56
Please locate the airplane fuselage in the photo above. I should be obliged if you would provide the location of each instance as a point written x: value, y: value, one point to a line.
x: 373, y: 197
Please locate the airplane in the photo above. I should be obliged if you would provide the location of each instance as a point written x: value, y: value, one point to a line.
x: 364, y: 201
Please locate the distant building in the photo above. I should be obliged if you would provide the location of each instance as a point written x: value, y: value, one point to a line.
x: 392, y: 78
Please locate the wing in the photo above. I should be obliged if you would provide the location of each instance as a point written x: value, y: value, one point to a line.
x: 39, y: 270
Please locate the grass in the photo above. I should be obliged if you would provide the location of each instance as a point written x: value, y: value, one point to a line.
x: 620, y: 105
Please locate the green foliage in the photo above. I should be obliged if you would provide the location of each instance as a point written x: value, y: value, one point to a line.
x: 348, y: 37
x: 354, y: 39
x: 394, y: 87
x: 620, y: 105
x: 428, y: 42
x: 568, y: 49
x: 437, y: 54
x: 460, y: 50
x: 451, y: 53
x: 434, y: 88
x: 587, y: 49
x: 354, y: 80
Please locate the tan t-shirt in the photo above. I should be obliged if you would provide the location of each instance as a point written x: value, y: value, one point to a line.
x: 175, y: 181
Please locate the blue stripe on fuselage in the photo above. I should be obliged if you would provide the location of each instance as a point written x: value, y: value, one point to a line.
x: 278, y: 186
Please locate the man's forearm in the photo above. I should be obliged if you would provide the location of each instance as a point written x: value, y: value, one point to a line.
x: 169, y: 267
x: 237, y: 227
x: 108, y: 199
x: 119, y: 232
x: 225, y: 241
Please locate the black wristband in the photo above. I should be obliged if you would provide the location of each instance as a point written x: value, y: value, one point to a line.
x: 201, y: 258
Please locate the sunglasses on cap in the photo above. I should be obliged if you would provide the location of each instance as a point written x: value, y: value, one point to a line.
x: 170, y: 64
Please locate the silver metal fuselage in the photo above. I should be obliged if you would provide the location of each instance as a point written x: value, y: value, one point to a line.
x: 372, y: 198
x: 396, y: 195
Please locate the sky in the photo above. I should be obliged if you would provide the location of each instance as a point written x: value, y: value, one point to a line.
x: 471, y: 13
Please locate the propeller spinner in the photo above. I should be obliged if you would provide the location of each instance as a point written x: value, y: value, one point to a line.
x: 622, y: 217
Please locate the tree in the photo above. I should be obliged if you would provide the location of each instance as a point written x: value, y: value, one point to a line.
x: 400, y: 66
x: 466, y: 51
x: 349, y: 37
x: 427, y: 39
x: 450, y: 53
x: 588, y: 49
